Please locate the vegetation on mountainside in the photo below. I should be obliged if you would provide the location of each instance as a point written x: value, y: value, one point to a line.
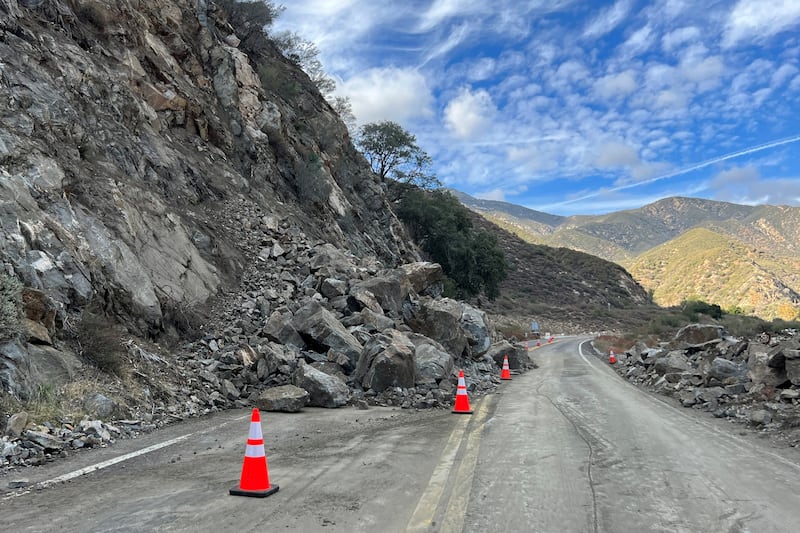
x: 10, y: 307
x: 702, y: 264
x: 443, y: 228
x: 744, y: 258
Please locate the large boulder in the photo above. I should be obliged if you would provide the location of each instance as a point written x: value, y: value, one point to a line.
x: 517, y: 357
x: 387, y: 361
x: 440, y: 320
x: 286, y: 398
x: 424, y: 277
x: 674, y: 362
x: 23, y: 367
x: 476, y: 325
x: 324, y: 332
x: 432, y: 364
x: 726, y: 371
x: 792, y: 365
x: 279, y: 329
x: 696, y: 334
x: 390, y: 288
x: 324, y: 389
x: 760, y: 372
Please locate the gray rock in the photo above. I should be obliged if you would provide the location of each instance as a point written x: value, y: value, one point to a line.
x: 332, y: 288
x: 518, y: 358
x: 476, y: 326
x: 390, y: 288
x: 760, y: 417
x: 696, y: 334
x: 439, y: 320
x: 229, y: 390
x: 286, y: 398
x: 16, y: 424
x: 99, y: 405
x: 95, y: 428
x: 324, y: 390
x: 790, y: 394
x: 322, y: 327
x: 50, y: 443
x: 424, y: 276
x: 279, y: 329
x: 388, y: 361
x: 760, y: 372
x: 19, y: 483
x: 674, y: 361
x: 432, y: 364
x: 723, y: 370
x: 792, y: 367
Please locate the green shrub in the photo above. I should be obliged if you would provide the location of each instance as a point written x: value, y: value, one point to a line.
x: 10, y: 307
x: 442, y: 227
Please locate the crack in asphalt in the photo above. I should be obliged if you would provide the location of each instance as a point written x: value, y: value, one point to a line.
x: 583, y: 437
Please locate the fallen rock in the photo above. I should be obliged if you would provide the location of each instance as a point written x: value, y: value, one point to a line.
x: 324, y: 390
x: 286, y: 398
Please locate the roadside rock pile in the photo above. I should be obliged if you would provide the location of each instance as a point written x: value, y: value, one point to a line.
x: 25, y: 443
x: 748, y: 381
x: 310, y: 324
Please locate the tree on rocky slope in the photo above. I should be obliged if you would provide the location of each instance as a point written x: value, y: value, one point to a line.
x: 393, y: 153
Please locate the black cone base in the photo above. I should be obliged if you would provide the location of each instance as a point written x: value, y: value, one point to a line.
x: 236, y: 491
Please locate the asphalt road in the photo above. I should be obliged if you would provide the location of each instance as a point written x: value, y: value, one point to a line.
x: 568, y: 447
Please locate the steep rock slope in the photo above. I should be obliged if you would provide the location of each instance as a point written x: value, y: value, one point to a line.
x: 133, y: 132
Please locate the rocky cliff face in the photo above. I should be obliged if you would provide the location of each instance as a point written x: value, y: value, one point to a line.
x: 135, y: 134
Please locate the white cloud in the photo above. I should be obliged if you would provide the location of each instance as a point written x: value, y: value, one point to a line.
x: 639, y: 42
x: 469, y: 113
x: 616, y: 154
x: 498, y: 195
x: 616, y: 85
x: 745, y: 185
x: 780, y: 76
x: 388, y: 94
x: 676, y: 38
x: 757, y: 20
x: 608, y: 20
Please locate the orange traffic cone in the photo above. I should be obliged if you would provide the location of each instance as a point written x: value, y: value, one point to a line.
x: 506, y: 373
x: 255, y: 477
x: 462, y: 401
x: 550, y: 340
x: 611, y: 357
x: 538, y: 343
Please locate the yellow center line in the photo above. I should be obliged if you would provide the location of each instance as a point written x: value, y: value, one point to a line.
x: 453, y: 521
x: 456, y: 502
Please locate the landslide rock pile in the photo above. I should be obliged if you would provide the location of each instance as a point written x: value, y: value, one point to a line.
x: 748, y: 381
x: 310, y: 324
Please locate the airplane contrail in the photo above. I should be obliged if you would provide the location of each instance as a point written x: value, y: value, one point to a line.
x: 686, y: 170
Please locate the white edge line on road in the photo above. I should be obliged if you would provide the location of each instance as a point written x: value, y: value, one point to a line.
x: 111, y: 462
x: 659, y: 401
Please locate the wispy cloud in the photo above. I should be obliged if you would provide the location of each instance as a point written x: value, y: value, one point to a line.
x: 614, y: 99
x: 759, y: 20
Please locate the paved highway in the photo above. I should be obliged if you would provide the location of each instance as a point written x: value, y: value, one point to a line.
x: 568, y: 447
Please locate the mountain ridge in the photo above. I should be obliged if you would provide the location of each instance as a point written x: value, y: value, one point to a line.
x: 770, y: 234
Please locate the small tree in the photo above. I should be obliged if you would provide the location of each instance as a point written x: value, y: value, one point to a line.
x: 393, y: 153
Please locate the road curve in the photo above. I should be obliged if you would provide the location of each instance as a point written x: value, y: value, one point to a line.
x: 572, y: 447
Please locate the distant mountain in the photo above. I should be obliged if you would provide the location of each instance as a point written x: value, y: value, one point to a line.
x: 563, y: 285
x: 766, y: 283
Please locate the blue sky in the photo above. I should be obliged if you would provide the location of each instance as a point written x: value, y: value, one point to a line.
x: 576, y: 107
